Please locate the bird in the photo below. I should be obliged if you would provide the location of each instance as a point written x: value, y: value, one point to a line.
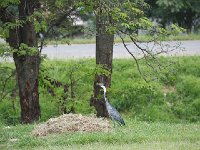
x: 112, y: 112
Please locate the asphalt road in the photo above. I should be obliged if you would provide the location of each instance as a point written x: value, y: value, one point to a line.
x: 88, y: 50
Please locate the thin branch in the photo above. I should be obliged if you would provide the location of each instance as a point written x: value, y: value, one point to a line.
x: 4, y: 85
x: 5, y: 16
x: 137, y: 63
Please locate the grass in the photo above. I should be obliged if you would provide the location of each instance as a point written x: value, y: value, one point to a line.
x: 156, y: 133
x: 138, y: 135
x: 91, y: 40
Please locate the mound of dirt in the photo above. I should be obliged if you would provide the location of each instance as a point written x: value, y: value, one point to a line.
x: 73, y: 123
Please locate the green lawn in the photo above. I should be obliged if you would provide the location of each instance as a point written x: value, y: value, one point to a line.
x: 135, y: 135
x: 118, y: 40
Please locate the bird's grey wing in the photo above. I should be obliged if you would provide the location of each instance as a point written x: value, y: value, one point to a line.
x: 115, y: 115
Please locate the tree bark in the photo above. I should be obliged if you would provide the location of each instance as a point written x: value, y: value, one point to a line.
x: 104, y: 56
x: 27, y: 65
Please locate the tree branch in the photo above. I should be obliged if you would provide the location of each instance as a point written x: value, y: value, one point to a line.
x: 136, y: 60
x: 55, y: 23
x: 4, y: 85
x: 4, y: 16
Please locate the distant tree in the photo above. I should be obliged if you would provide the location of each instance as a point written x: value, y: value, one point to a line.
x: 185, y: 13
x: 59, y: 16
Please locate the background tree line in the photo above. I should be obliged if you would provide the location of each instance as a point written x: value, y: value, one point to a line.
x: 185, y: 13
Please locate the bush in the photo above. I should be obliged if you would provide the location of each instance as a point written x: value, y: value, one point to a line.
x: 189, y: 66
x: 9, y: 113
x: 158, y: 113
x: 133, y: 95
x: 185, y: 102
x: 189, y: 87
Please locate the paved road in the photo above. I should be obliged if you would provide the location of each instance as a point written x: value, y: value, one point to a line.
x: 88, y: 50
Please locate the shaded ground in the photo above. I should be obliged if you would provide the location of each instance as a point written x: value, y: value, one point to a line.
x: 72, y: 122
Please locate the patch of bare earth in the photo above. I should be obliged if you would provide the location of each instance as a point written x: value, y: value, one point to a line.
x: 72, y: 123
x: 169, y: 89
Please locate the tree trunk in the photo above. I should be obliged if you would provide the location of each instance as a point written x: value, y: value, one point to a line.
x: 27, y: 66
x: 104, y: 56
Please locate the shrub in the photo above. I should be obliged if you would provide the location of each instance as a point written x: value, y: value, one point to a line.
x: 9, y: 112
x: 189, y: 66
x: 188, y: 86
x: 157, y: 113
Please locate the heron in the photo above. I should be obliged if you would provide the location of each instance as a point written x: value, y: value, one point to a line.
x: 112, y: 112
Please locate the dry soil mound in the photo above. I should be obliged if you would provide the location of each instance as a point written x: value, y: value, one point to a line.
x: 72, y: 122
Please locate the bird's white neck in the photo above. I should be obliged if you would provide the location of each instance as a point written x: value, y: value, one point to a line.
x: 104, y: 89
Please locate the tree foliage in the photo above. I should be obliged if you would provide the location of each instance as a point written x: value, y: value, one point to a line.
x: 185, y: 13
x: 128, y: 17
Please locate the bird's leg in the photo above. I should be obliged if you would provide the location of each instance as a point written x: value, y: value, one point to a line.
x: 119, y: 124
x: 116, y: 125
x: 113, y: 122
